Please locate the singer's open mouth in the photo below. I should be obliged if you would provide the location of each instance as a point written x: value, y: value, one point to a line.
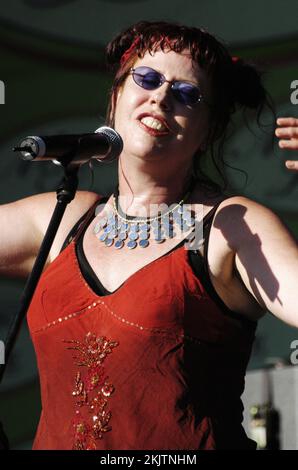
x: 154, y: 124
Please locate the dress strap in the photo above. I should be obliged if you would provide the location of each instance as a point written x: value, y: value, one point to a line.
x: 87, y: 218
x: 77, y: 227
x: 210, y: 216
x: 206, y: 232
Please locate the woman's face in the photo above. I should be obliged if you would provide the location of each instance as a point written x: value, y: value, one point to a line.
x: 183, y: 128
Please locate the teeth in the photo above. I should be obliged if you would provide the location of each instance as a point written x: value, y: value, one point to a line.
x: 153, y: 123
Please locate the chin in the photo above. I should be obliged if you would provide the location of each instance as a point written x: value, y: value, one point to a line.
x: 142, y: 148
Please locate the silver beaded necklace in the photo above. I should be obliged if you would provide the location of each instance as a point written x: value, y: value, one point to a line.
x: 118, y: 229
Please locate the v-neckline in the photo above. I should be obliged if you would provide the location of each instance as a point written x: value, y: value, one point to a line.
x: 108, y: 293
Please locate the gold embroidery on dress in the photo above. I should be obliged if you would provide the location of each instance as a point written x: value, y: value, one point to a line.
x: 92, y: 390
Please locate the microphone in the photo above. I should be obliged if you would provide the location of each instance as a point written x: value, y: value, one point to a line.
x: 105, y: 144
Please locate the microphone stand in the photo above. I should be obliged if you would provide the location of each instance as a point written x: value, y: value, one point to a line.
x: 65, y: 194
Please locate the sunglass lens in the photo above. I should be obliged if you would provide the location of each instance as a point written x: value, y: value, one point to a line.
x: 147, y: 78
x: 186, y: 93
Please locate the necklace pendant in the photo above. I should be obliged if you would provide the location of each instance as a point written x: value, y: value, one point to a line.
x: 134, y: 228
x: 159, y: 239
x: 143, y: 243
x: 97, y: 228
x: 103, y: 236
x: 122, y: 236
x: 109, y: 241
x: 131, y: 244
x: 144, y: 227
x: 121, y: 230
x: 119, y: 244
x: 133, y: 235
x: 144, y: 235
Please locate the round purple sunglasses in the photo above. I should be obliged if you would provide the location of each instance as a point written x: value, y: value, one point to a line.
x: 150, y: 79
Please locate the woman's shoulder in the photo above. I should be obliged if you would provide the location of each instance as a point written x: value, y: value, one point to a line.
x: 232, y: 205
x: 240, y: 222
x: 233, y: 208
x: 236, y: 217
x: 24, y: 223
x: 38, y: 209
x: 43, y: 206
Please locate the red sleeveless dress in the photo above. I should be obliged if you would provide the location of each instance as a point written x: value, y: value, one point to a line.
x: 154, y: 365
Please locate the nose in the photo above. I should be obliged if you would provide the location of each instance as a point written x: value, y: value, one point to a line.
x: 163, y: 97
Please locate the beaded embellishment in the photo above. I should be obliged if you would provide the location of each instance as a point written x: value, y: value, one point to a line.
x: 91, y: 391
x: 117, y: 229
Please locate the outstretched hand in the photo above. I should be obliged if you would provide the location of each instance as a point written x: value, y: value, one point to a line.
x: 287, y: 132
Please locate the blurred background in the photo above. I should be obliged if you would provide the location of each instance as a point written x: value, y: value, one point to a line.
x: 54, y: 81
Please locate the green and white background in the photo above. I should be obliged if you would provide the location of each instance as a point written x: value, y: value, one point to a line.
x: 53, y: 70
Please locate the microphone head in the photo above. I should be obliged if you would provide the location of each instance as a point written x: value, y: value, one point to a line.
x: 116, y: 143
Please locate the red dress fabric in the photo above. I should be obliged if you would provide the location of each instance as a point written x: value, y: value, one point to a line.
x: 154, y: 365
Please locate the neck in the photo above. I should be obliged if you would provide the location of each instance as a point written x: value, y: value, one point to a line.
x: 140, y: 189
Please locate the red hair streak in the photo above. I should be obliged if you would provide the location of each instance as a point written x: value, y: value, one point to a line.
x: 126, y: 55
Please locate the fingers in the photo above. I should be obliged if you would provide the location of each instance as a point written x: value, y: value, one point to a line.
x: 292, y: 165
x: 289, y: 144
x: 287, y: 132
x: 287, y: 121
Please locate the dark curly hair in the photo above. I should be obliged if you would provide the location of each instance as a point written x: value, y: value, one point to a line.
x: 234, y: 83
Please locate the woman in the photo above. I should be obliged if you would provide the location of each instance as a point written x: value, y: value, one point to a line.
x: 141, y: 343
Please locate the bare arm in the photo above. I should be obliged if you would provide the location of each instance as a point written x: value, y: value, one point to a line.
x: 266, y: 255
x: 263, y: 252
x: 24, y: 223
